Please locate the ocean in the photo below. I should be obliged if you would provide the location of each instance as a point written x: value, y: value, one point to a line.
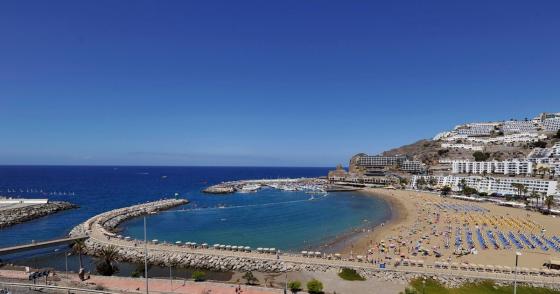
x: 289, y: 221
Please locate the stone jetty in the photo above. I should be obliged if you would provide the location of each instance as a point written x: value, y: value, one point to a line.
x: 18, y: 215
x: 100, y: 231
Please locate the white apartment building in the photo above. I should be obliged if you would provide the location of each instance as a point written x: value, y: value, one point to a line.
x: 556, y: 168
x: 551, y: 124
x: 511, y: 138
x: 556, y: 150
x: 540, y: 155
x: 462, y: 146
x: 413, y: 166
x: 517, y: 126
x: 476, y: 130
x: 490, y: 185
x: 441, y: 136
x: 509, y: 167
x: 455, y: 137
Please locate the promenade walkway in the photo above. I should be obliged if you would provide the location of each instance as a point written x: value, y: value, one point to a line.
x: 102, y: 237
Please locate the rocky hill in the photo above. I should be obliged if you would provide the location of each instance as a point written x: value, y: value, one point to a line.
x: 430, y: 152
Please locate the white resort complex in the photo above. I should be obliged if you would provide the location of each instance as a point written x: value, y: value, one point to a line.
x: 500, y: 186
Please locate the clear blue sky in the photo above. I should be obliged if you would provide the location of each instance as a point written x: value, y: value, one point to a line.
x: 272, y: 83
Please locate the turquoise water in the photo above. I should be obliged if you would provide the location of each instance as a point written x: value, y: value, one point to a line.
x: 269, y: 218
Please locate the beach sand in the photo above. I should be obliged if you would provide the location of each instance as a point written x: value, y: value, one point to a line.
x: 416, y: 216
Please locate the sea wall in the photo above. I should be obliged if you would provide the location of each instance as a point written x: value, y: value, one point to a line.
x: 106, y: 222
x: 99, y: 229
x: 13, y: 216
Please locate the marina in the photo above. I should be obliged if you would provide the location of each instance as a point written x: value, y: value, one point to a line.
x: 307, y: 185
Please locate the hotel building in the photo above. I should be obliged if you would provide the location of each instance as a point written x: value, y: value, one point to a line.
x: 491, y: 185
x: 551, y: 124
x: 413, y: 166
x: 516, y: 126
x: 375, y: 164
x: 462, y: 146
x: 540, y: 155
x: 508, y: 167
x: 556, y: 150
x: 476, y: 130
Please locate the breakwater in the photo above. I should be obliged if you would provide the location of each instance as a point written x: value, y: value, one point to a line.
x: 99, y: 229
x: 13, y: 216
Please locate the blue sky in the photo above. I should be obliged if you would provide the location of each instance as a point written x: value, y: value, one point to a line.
x: 269, y: 83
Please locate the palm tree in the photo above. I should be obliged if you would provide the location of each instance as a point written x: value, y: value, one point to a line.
x: 536, y: 196
x: 520, y: 189
x: 107, y: 256
x: 549, y: 200
x: 79, y: 247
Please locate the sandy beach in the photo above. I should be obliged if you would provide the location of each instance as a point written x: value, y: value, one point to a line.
x: 430, y: 222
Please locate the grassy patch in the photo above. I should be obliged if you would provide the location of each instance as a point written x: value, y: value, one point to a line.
x: 486, y: 287
x: 350, y: 275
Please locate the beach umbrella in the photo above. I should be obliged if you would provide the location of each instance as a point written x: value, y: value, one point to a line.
x: 304, y: 253
x: 178, y: 242
x: 247, y: 248
x: 155, y: 241
x: 234, y: 248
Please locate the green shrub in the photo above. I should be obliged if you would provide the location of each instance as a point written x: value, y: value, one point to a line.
x: 198, y: 276
x: 314, y: 287
x: 350, y: 275
x: 294, y: 286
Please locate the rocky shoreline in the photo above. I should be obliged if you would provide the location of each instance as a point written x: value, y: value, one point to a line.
x: 14, y: 216
x: 100, y: 230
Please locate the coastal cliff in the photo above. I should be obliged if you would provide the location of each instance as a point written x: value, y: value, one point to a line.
x: 13, y: 216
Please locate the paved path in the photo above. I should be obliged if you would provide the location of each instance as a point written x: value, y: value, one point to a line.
x: 38, y: 245
x: 138, y: 285
x: 100, y: 235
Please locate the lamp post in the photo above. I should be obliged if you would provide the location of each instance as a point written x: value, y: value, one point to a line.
x: 146, y: 251
x: 66, y: 262
x: 286, y: 284
x: 145, y: 255
x: 170, y: 277
x: 517, y: 254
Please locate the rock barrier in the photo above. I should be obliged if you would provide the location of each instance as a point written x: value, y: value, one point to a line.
x: 13, y: 216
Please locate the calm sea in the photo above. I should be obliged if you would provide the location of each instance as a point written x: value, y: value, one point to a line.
x: 286, y: 220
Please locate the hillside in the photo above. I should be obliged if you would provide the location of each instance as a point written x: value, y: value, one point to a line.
x: 430, y: 152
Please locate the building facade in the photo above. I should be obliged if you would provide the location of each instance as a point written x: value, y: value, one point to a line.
x: 462, y: 146
x: 551, y: 124
x: 507, y: 167
x: 413, y: 166
x: 519, y: 126
x: 491, y: 185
